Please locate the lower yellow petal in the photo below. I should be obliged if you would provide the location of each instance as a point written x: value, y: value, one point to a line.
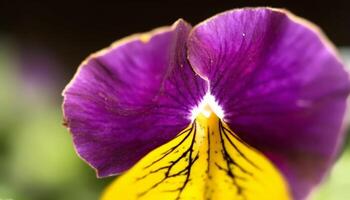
x: 205, y: 161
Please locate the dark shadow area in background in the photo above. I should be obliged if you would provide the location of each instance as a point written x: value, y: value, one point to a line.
x: 75, y: 29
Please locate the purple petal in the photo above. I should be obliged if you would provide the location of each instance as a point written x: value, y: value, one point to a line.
x: 282, y: 88
x: 132, y: 97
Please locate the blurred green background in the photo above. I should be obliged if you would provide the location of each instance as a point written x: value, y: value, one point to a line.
x: 41, y: 45
x: 37, y: 159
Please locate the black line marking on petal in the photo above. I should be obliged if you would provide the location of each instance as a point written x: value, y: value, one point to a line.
x: 188, y: 131
x: 229, y: 163
x: 190, y: 156
x: 223, y: 130
x: 208, y: 172
x: 208, y: 151
x: 187, y: 156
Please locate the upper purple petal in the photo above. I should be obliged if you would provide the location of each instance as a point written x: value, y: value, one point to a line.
x: 132, y: 97
x: 281, y: 86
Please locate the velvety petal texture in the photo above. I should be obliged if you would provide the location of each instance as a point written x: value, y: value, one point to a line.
x: 132, y: 97
x: 282, y: 88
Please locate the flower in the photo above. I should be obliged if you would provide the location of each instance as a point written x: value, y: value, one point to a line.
x: 278, y: 80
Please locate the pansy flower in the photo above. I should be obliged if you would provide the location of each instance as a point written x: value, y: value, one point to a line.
x: 248, y: 105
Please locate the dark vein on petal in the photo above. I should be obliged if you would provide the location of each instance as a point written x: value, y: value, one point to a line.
x: 190, y: 156
x: 235, y: 147
x: 187, y: 155
x: 229, y: 170
x: 188, y: 131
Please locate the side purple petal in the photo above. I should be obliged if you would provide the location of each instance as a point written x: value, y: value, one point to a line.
x: 132, y: 97
x: 281, y: 86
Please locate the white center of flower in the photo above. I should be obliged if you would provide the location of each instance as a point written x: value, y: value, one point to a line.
x: 207, y: 106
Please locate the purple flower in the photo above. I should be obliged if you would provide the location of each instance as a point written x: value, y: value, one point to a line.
x: 279, y: 82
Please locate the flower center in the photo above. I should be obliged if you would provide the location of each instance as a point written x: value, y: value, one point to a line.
x: 207, y: 106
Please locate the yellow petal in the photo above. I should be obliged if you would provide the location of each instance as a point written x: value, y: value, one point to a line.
x: 205, y: 161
